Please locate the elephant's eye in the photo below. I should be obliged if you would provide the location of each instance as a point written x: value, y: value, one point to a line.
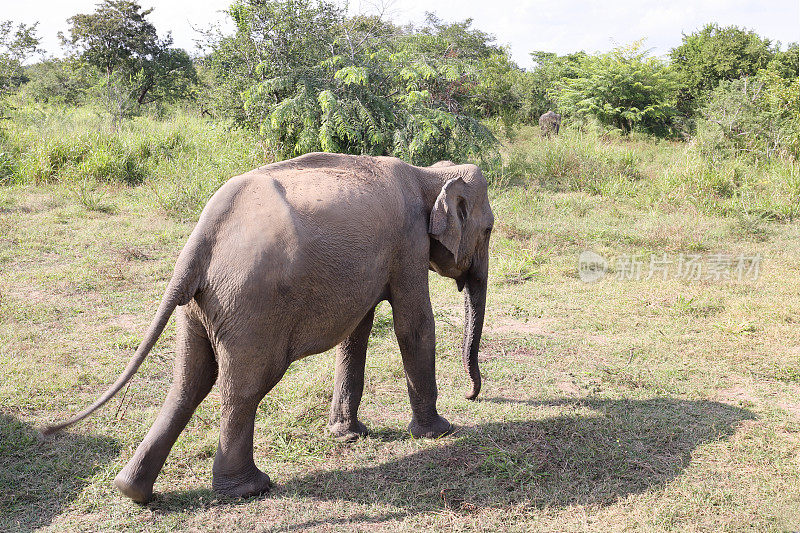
x: 487, y: 231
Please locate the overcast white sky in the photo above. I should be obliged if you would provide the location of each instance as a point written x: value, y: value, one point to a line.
x: 524, y: 25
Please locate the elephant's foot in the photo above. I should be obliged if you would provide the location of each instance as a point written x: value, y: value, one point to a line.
x: 253, y: 483
x: 348, y: 431
x: 137, y: 491
x: 437, y: 428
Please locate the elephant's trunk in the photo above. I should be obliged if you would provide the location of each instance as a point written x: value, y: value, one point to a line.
x: 474, y: 309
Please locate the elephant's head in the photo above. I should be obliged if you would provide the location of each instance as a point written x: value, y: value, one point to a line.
x: 460, y: 225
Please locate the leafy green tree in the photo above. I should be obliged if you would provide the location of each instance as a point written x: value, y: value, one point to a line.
x: 312, y: 78
x: 118, y: 40
x: 787, y: 62
x: 458, y: 39
x: 535, y: 87
x: 706, y: 57
x: 472, y: 75
x: 755, y: 116
x: 495, y: 90
x: 62, y: 81
x: 281, y: 41
x: 623, y: 88
x: 16, y: 45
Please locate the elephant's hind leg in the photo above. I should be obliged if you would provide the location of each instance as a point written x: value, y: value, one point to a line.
x: 247, y: 373
x: 348, y: 383
x: 194, y: 373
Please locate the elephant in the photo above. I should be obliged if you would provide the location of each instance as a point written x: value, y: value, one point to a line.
x: 549, y: 123
x: 290, y: 260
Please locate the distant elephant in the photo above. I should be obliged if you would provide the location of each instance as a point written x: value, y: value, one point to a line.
x: 550, y: 123
x: 289, y: 260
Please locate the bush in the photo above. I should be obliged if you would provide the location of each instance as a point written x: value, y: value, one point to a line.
x: 61, y: 81
x: 623, y: 88
x: 184, y: 159
x: 312, y: 79
x: 713, y: 54
x: 649, y: 173
x: 754, y: 116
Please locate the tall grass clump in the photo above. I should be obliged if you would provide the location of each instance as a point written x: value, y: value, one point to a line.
x: 189, y: 158
x: 732, y: 186
x: 83, y: 155
x: 6, y: 158
x: 571, y: 161
x: 182, y: 158
x: 650, y: 173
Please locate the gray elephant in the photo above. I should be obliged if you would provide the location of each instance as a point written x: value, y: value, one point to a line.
x: 290, y: 260
x: 549, y: 123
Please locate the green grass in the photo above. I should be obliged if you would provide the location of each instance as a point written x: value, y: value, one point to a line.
x: 182, y: 159
x: 650, y: 405
x: 651, y: 174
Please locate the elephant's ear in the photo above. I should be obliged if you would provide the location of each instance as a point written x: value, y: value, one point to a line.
x: 448, y: 214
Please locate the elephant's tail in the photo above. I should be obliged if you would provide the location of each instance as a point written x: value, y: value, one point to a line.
x: 180, y: 290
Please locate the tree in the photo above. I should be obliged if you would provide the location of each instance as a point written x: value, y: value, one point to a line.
x: 713, y: 54
x: 623, y: 88
x: 459, y: 39
x: 281, y: 41
x: 754, y: 115
x: 536, y: 87
x: 16, y: 45
x: 311, y: 78
x: 119, y: 40
x: 62, y: 81
x: 476, y: 76
x: 787, y: 62
x: 495, y: 92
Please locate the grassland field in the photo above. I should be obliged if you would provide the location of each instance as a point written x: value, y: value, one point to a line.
x: 625, y: 404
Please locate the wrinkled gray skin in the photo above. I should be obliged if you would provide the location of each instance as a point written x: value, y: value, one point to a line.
x: 550, y: 123
x: 290, y: 260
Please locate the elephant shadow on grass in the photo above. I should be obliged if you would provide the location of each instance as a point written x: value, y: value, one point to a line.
x: 590, y: 452
x: 39, y: 477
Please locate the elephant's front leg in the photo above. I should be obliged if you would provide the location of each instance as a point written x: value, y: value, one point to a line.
x: 416, y: 334
x: 348, y: 382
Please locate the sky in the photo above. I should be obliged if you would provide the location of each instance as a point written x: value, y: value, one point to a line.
x: 560, y: 26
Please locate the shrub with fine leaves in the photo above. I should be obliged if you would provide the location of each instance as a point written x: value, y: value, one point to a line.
x: 623, y: 88
x: 755, y: 116
x: 310, y: 78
